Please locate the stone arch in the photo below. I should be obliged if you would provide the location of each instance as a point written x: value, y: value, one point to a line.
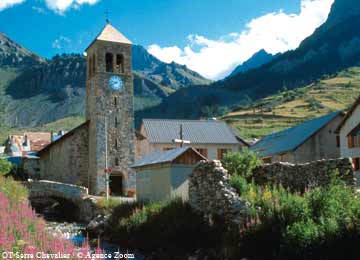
x: 74, y: 198
x: 120, y: 63
x: 109, y: 62
x: 66, y: 208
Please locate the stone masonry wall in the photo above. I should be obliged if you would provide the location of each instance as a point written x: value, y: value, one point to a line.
x: 301, y: 176
x: 210, y: 192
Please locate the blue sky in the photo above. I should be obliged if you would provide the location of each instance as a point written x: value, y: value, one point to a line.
x: 191, y: 32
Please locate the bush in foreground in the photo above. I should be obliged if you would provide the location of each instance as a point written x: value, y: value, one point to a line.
x: 172, y: 226
x: 323, y: 223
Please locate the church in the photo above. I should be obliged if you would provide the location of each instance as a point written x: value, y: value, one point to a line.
x: 107, y: 141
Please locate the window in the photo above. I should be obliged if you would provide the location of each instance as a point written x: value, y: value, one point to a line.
x: 116, y: 122
x: 109, y: 62
x: 356, y: 164
x: 120, y: 63
x: 93, y: 65
x: 116, y: 145
x: 117, y: 163
x: 90, y: 67
x: 354, y: 138
x: 115, y: 101
x: 337, y: 141
x: 202, y: 151
x: 221, y: 153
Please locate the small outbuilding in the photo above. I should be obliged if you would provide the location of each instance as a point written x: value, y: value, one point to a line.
x: 163, y: 175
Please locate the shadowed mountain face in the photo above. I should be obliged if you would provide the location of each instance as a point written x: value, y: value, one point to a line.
x: 333, y: 47
x: 57, y: 86
x: 34, y: 91
x: 258, y: 59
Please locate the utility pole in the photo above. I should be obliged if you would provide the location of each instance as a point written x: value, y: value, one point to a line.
x: 181, y: 141
x: 106, y: 162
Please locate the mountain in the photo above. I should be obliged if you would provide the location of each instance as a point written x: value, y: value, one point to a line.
x: 333, y: 47
x: 172, y: 75
x: 35, y: 91
x: 258, y: 59
x: 291, y: 107
x: 12, y: 54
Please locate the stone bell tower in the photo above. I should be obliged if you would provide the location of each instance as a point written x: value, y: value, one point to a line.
x: 109, y: 110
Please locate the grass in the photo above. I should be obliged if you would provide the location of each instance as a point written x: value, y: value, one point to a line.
x: 291, y: 107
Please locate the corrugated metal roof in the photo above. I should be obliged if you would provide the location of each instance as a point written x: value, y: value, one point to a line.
x: 196, y: 131
x: 291, y: 138
x: 162, y: 157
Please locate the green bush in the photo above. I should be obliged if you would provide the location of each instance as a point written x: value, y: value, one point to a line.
x: 5, y: 167
x: 317, y: 225
x: 241, y: 163
x: 172, y: 226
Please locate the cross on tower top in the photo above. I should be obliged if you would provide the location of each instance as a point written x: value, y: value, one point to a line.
x: 107, y: 16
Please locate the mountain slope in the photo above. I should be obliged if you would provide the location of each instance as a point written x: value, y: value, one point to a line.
x: 258, y: 59
x: 35, y: 91
x: 334, y: 46
x: 291, y: 107
x: 12, y: 54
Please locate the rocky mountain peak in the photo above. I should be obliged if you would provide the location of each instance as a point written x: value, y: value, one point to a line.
x: 13, y: 54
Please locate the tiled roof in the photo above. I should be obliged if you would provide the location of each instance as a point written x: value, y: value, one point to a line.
x: 195, y: 131
x: 162, y: 157
x: 290, y: 139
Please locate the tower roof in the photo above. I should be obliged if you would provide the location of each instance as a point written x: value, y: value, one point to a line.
x: 111, y: 34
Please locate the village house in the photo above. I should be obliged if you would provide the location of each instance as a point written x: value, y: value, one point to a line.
x: 211, y: 138
x: 29, y: 142
x: 349, y: 136
x: 312, y: 140
x: 162, y: 175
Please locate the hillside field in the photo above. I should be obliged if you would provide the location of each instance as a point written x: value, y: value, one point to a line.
x: 291, y: 107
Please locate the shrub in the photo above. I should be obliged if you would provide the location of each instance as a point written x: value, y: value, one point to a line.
x: 173, y: 226
x: 241, y: 163
x: 5, y: 167
x: 318, y: 225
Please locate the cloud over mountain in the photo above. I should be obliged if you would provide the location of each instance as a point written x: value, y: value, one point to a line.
x: 275, y: 32
x: 58, y: 6
x: 8, y: 3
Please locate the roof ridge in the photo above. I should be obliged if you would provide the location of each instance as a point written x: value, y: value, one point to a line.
x: 191, y: 120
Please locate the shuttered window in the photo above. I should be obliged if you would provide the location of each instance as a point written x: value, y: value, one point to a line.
x: 356, y: 164
x: 221, y: 153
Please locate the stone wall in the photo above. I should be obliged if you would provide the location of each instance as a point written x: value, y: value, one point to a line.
x: 210, y: 192
x: 300, y: 176
x: 66, y: 160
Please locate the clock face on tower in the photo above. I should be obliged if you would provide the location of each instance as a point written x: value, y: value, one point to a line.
x: 116, y: 83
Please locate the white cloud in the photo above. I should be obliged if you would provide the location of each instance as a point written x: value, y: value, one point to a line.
x: 60, y: 6
x: 275, y: 32
x: 8, y: 3
x: 38, y: 9
x: 61, y: 42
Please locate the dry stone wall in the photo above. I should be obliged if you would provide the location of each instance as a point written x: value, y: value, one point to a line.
x: 210, y: 192
x: 300, y: 176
